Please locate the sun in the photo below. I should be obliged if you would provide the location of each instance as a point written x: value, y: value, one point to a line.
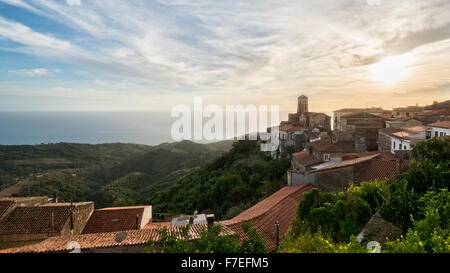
x: 392, y: 69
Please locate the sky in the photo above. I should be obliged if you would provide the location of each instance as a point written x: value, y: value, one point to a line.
x: 135, y: 55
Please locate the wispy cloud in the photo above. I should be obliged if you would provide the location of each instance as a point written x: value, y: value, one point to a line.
x: 31, y: 72
x: 262, y: 49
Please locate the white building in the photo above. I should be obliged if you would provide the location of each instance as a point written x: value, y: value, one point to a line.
x: 439, y: 129
x: 406, y: 137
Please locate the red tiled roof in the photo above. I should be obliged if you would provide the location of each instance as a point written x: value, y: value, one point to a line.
x: 106, y: 240
x: 280, y: 206
x: 379, y: 169
x: 290, y: 128
x: 324, y: 145
x: 35, y: 220
x: 347, y: 163
x: 115, y: 219
x: 442, y: 124
x: 4, y: 206
x: 300, y: 154
x: 307, y: 160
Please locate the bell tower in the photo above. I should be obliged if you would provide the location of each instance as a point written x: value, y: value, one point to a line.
x: 302, y: 106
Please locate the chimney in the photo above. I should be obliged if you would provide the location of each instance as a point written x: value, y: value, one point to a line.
x: 55, y: 198
x: 210, y: 220
x: 191, y: 220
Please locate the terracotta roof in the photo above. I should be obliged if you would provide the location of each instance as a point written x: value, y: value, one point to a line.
x: 290, y: 128
x: 324, y: 145
x: 361, y: 115
x: 4, y: 206
x: 415, y: 128
x: 115, y: 219
x: 347, y: 163
x: 34, y: 220
x: 280, y: 206
x: 106, y: 240
x: 437, y: 112
x: 156, y: 225
x: 300, y: 154
x: 442, y: 124
x: 307, y: 160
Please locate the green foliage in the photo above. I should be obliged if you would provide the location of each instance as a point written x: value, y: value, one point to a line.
x: 372, y: 192
x: 430, y: 234
x: 417, y: 201
x: 209, y: 241
x: 338, y: 216
x: 102, y: 173
x: 317, y: 243
x: 253, y: 242
x: 404, y: 192
x: 436, y: 150
x: 238, y: 179
x: 171, y: 241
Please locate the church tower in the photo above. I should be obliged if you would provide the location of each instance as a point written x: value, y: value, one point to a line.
x: 302, y: 106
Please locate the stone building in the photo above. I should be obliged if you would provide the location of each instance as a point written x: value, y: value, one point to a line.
x: 36, y: 221
x: 350, y: 169
x: 359, y: 120
x: 308, y: 119
x: 408, y: 112
x: 402, y: 122
x: 338, y: 114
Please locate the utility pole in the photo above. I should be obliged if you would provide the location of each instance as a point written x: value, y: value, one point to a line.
x: 277, y: 234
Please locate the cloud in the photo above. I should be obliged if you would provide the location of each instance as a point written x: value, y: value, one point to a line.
x: 271, y: 48
x: 31, y: 72
x: 73, y: 2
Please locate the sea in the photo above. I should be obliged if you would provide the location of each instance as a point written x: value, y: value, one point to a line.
x: 30, y: 128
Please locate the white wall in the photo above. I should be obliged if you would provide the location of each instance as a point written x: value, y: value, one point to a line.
x: 395, y: 144
x: 439, y: 131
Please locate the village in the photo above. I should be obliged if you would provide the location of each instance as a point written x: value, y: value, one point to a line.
x: 328, y: 153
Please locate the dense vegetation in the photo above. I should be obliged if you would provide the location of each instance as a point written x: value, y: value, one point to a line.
x: 174, y: 178
x: 107, y: 174
x: 417, y: 201
x: 209, y: 241
x: 225, y: 187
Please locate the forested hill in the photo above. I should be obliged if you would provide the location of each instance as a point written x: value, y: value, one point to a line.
x: 225, y: 187
x: 80, y: 172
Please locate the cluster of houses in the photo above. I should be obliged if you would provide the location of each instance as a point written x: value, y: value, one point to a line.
x: 363, y: 145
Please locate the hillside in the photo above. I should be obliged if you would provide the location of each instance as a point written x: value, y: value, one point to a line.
x: 81, y: 172
x: 232, y: 183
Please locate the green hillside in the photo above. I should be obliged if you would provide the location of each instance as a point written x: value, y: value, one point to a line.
x: 104, y: 173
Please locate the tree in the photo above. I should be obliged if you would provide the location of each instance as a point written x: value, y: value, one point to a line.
x: 253, y: 241
x: 431, y: 234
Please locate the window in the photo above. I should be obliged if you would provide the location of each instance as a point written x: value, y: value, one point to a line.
x: 442, y: 134
x: 326, y: 157
x: 428, y: 135
x: 400, y: 146
x: 436, y: 134
x: 404, y: 148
